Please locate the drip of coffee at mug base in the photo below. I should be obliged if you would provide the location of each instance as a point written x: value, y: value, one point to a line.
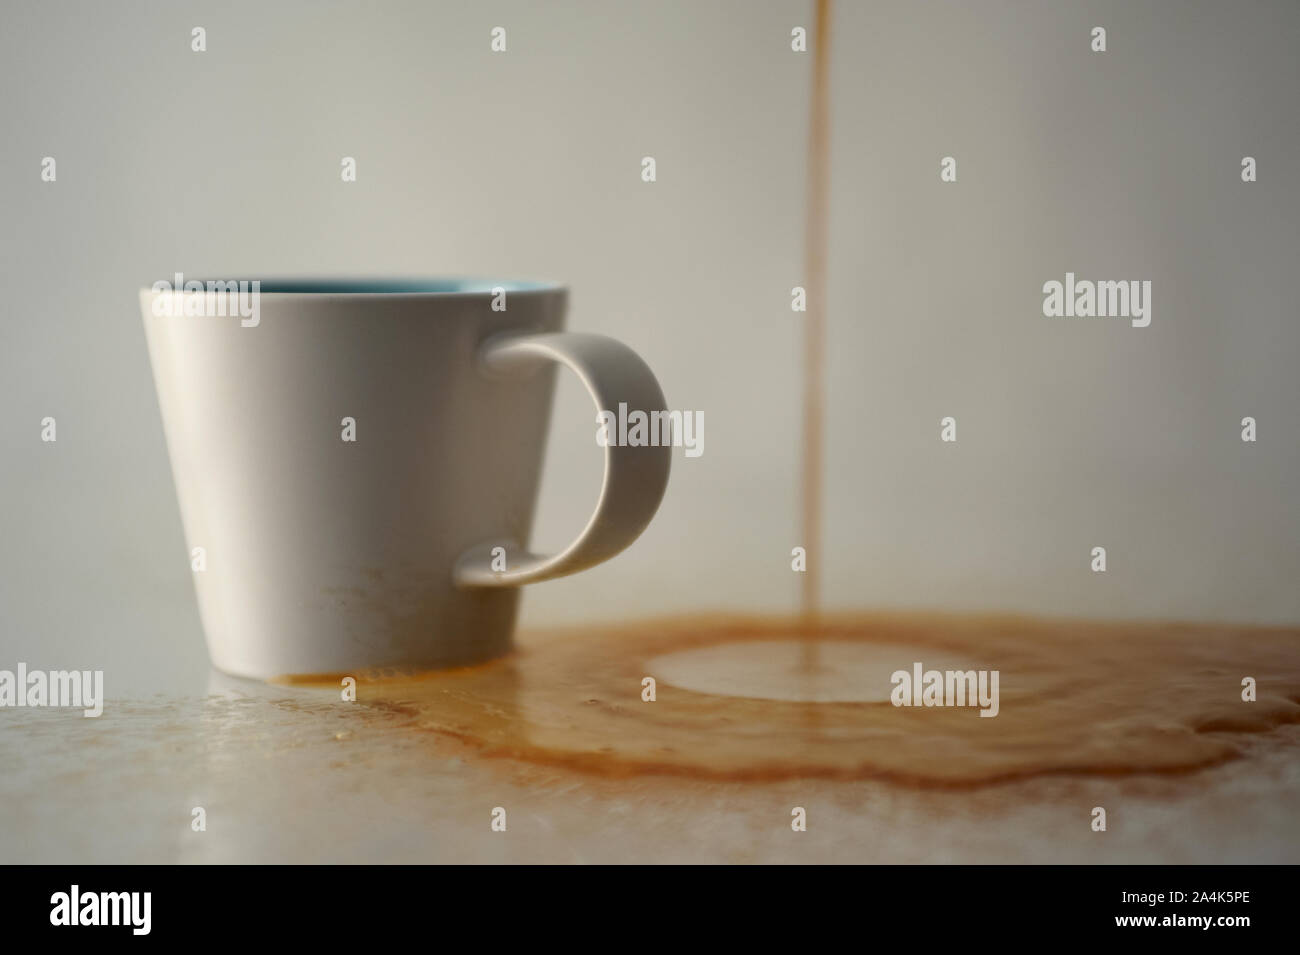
x: 1075, y: 697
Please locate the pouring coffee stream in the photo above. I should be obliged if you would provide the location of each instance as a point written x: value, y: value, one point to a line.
x: 814, y: 332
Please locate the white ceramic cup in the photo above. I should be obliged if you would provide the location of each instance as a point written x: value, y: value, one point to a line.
x: 326, y: 555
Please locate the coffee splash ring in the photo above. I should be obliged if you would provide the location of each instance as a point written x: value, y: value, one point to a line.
x: 1076, y: 698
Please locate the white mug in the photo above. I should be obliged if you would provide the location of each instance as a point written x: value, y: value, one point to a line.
x: 357, y: 463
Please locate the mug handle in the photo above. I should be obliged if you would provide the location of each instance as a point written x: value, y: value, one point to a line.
x: 635, y: 477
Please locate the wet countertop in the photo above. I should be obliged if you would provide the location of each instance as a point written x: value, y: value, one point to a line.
x: 296, y: 774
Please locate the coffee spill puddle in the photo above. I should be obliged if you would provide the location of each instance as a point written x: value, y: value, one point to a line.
x: 733, y: 700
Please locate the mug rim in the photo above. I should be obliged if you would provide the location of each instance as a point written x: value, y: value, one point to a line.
x: 376, y: 286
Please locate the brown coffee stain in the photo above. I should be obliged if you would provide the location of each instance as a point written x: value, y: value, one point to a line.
x: 1076, y: 697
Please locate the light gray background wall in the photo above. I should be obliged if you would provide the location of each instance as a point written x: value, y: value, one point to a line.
x: 1071, y: 433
